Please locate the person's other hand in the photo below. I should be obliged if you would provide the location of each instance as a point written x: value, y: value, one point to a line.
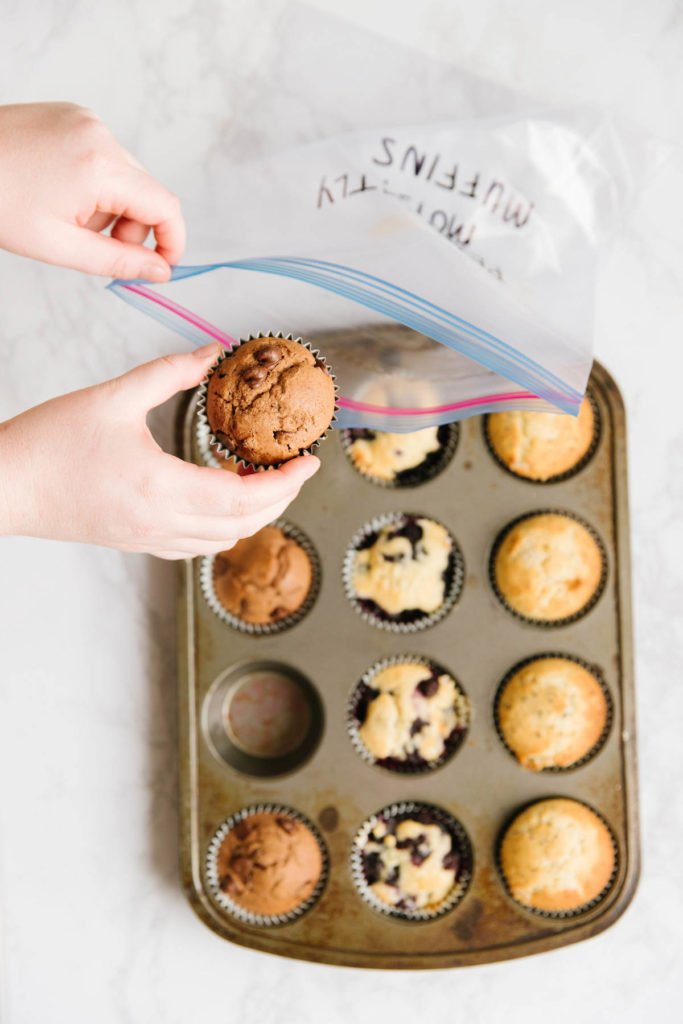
x: 64, y: 179
x: 85, y: 467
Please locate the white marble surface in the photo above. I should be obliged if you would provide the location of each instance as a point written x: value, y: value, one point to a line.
x: 94, y: 925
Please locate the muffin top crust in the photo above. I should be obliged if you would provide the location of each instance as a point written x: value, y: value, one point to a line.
x: 541, y: 445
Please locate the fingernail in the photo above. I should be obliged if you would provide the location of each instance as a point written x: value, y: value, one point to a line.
x: 153, y: 272
x: 206, y: 350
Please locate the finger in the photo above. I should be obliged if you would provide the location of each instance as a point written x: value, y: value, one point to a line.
x: 99, y: 221
x: 215, y: 528
x: 129, y: 231
x: 92, y: 253
x: 149, y: 385
x: 215, y: 492
x: 136, y: 195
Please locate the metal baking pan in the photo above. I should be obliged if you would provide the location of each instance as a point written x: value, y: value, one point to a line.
x: 478, y: 642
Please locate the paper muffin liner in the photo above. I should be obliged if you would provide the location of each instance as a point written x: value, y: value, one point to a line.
x: 205, y: 435
x: 202, y: 436
x: 594, y: 598
x: 557, y: 915
x: 609, y: 716
x: 558, y: 477
x: 428, y: 814
x: 435, y: 462
x: 399, y: 765
x: 455, y: 575
x: 206, y: 584
x: 233, y: 908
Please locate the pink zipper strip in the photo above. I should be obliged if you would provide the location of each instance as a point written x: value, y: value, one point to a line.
x: 345, y: 403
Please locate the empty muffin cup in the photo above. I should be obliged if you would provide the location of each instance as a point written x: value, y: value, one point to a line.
x: 262, y: 718
x: 403, y: 572
x: 407, y: 714
x: 277, y: 405
x: 548, y: 567
x: 411, y: 861
x: 400, y: 460
x: 266, y: 865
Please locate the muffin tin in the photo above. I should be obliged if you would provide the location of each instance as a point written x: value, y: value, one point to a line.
x: 328, y: 651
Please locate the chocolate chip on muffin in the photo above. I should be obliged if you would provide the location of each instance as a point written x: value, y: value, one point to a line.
x: 269, y: 400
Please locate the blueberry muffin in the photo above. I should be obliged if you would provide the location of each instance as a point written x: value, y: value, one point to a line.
x: 399, y: 459
x: 263, y: 579
x: 269, y: 863
x: 269, y: 400
x: 551, y: 713
x: 557, y: 856
x: 409, y: 716
x: 541, y: 445
x: 412, y: 863
x: 548, y: 567
x: 403, y: 571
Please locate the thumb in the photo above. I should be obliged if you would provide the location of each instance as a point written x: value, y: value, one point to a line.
x: 149, y: 385
x: 86, y: 250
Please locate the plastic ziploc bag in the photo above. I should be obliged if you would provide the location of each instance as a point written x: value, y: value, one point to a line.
x: 482, y: 236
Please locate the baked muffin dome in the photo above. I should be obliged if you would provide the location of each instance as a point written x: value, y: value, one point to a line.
x: 557, y: 856
x: 541, y: 445
x: 269, y: 400
x: 548, y: 567
x: 551, y: 712
x: 263, y: 578
x: 269, y: 863
x: 408, y: 716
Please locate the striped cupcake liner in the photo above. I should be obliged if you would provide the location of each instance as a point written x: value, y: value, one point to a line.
x: 399, y: 765
x: 568, y: 619
x: 428, y: 814
x: 226, y: 903
x: 558, y: 915
x: 558, y: 477
x: 207, y: 439
x: 599, y: 678
x: 434, y: 463
x: 206, y: 583
x: 453, y: 582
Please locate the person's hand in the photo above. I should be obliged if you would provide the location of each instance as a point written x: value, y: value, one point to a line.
x: 64, y: 178
x: 85, y: 467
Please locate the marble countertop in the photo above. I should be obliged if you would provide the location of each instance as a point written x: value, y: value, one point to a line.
x: 94, y: 923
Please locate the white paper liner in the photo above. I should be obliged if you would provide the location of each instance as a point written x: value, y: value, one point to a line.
x: 599, y: 743
x: 226, y: 903
x: 452, y: 591
x: 558, y: 915
x: 205, y: 435
x: 206, y: 584
x: 464, y: 711
x: 404, y: 810
x: 594, y: 598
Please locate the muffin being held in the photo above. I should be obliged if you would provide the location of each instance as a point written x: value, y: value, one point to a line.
x: 269, y: 400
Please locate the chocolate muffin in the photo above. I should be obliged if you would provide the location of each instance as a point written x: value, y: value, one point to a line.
x: 548, y: 567
x: 269, y: 400
x: 412, y: 863
x: 269, y: 863
x: 399, y: 459
x: 541, y: 445
x: 403, y: 572
x: 263, y: 579
x: 408, y: 716
x: 551, y: 712
x: 557, y: 856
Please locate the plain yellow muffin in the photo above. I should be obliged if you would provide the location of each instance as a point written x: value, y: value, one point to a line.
x: 548, y: 567
x: 541, y: 445
x: 551, y: 713
x: 557, y: 855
